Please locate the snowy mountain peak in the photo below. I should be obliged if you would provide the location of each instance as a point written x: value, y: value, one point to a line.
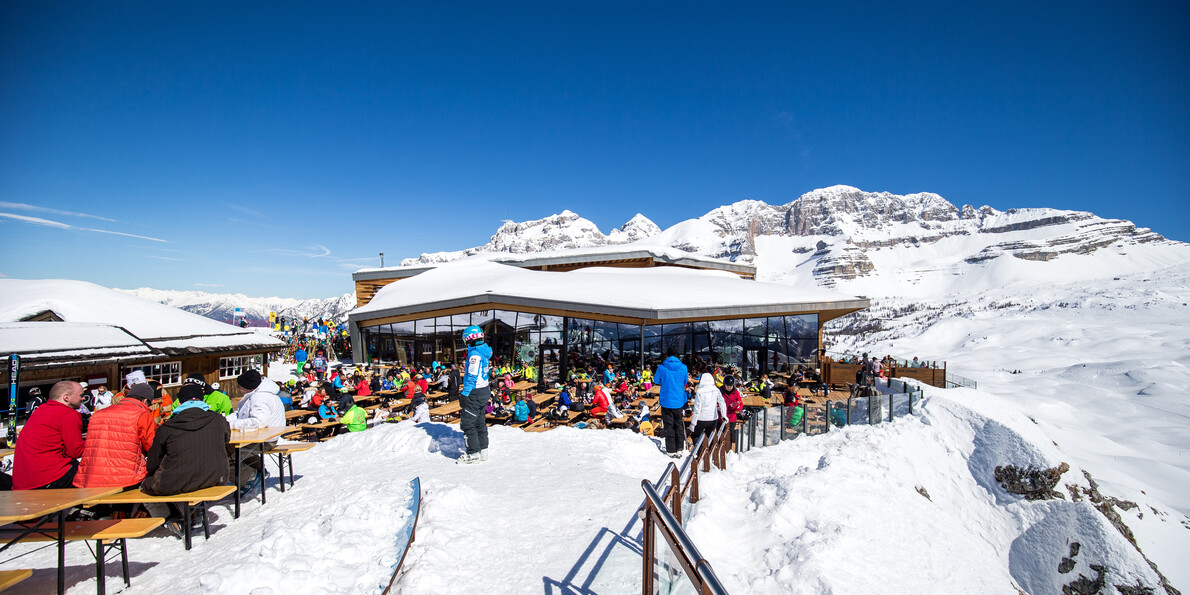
x: 638, y: 227
x: 557, y: 232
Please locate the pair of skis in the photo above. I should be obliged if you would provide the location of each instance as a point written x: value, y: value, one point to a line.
x: 14, y: 380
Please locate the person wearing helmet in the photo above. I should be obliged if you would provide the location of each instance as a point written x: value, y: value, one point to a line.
x: 474, y: 396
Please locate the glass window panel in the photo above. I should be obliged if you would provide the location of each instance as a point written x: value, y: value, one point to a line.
x: 606, y: 331
x: 754, y: 332
x: 734, y: 325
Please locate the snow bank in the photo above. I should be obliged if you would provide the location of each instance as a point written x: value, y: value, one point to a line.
x: 847, y: 512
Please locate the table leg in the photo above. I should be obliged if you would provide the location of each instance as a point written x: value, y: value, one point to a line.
x: 100, y: 558
x: 206, y: 525
x: 124, y: 561
x: 186, y: 524
x: 237, y: 492
x: 281, y: 470
x: 61, y: 552
x: 260, y: 473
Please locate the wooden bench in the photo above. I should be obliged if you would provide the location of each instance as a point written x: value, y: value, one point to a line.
x: 316, y: 429
x: 199, y: 498
x: 9, y: 578
x: 284, y: 452
x: 114, y: 532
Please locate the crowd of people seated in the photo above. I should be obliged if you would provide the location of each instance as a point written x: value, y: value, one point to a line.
x: 145, y: 438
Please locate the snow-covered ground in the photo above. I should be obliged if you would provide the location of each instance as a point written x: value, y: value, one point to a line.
x: 554, y: 512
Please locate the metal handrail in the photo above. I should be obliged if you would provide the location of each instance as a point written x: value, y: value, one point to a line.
x: 697, y: 568
x: 664, y: 499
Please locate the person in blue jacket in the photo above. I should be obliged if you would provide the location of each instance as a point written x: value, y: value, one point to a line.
x: 474, y: 396
x: 521, y: 412
x: 299, y: 357
x: 672, y: 376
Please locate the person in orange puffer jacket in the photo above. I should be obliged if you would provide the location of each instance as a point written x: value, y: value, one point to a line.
x: 117, y: 440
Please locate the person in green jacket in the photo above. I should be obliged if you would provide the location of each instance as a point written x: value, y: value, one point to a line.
x: 795, y: 418
x: 356, y: 419
x: 218, y: 402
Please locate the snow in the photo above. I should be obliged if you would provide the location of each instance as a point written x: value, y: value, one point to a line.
x: 66, y: 339
x: 833, y: 513
x: 659, y: 288
x: 79, y: 301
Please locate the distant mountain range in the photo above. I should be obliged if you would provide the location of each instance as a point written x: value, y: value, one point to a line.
x: 221, y: 306
x: 874, y: 244
x: 841, y: 236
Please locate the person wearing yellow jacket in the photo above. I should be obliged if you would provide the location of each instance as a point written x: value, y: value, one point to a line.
x: 356, y: 419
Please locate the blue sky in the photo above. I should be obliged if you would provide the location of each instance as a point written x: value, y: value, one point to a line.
x: 272, y: 150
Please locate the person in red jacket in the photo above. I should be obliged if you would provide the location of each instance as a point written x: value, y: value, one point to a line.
x: 599, y: 402
x: 117, y: 442
x: 733, y: 398
x: 51, y: 441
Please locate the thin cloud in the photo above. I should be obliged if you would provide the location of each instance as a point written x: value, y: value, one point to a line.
x: 209, y: 285
x: 20, y: 206
x: 312, y: 251
x: 67, y: 226
x: 169, y: 258
x: 245, y: 210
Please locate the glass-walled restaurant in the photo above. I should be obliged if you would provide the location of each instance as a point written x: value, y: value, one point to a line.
x: 555, y: 344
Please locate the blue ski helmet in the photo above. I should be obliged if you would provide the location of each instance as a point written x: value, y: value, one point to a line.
x: 472, y: 333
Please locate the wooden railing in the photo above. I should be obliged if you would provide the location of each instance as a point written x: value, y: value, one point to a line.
x: 662, y: 513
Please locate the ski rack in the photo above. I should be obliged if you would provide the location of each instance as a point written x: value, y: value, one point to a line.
x: 661, y: 514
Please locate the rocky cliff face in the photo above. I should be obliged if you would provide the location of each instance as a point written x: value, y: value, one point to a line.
x: 842, y: 228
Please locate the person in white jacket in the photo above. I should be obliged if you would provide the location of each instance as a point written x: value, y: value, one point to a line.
x: 709, y: 407
x: 260, y: 407
x: 421, y: 410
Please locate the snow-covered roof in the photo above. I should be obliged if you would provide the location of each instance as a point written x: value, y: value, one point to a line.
x: 632, y: 251
x: 57, y: 341
x: 105, y: 322
x: 651, y: 294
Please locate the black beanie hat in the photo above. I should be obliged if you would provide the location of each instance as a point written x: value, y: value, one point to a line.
x: 249, y: 380
x: 190, y: 392
x: 200, y: 382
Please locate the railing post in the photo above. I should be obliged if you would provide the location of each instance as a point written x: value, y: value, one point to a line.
x: 890, y: 406
x: 693, y: 483
x: 805, y: 419
x: 676, y: 491
x: 828, y: 416
x: 646, y: 587
x: 910, y: 393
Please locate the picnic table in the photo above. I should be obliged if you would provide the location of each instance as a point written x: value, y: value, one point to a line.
x: 6, y: 451
x: 450, y: 409
x: 18, y: 506
x: 298, y: 414
x: 199, y: 498
x: 258, y: 437
x: 755, y: 401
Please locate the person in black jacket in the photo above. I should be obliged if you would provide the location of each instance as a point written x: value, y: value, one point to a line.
x: 189, y: 452
x: 452, y: 387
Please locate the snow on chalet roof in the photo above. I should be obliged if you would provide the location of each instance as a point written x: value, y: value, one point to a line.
x: 649, y: 293
x: 95, y: 317
x: 69, y: 340
x: 629, y: 251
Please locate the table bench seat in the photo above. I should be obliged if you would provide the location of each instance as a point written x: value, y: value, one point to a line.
x: 115, y: 532
x: 9, y: 578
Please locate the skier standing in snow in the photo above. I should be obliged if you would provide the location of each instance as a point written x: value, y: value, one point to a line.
x: 474, y: 396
